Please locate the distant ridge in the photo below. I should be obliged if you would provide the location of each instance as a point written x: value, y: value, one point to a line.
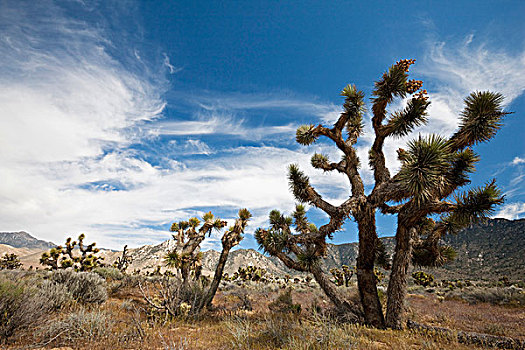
x: 487, y: 251
x: 23, y: 239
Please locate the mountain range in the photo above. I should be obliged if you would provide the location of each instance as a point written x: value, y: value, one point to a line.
x: 488, y: 250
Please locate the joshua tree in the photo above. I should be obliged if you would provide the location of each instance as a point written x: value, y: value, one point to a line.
x: 433, y: 168
x: 64, y: 257
x: 342, y: 276
x: 122, y: 262
x: 10, y: 262
x: 230, y: 239
x: 186, y: 257
x: 301, y: 251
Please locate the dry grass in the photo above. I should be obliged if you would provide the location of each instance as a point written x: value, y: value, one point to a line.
x: 124, y: 322
x: 460, y: 315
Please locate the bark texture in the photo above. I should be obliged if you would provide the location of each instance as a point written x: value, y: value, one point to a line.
x: 365, y: 270
x: 206, y: 302
x: 398, y: 277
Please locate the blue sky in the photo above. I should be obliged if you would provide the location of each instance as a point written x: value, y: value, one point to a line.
x: 120, y: 117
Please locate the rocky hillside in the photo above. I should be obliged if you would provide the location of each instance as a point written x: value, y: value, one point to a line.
x: 485, y: 251
x: 489, y: 251
x: 23, y: 240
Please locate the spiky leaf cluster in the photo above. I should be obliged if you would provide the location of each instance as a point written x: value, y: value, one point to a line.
x: 423, y: 166
x: 413, y: 115
x: 233, y: 236
x: 306, y: 134
x: 480, y: 120
x: 393, y: 83
x: 278, y: 239
x: 382, y: 258
x: 320, y: 161
x: 299, y: 183
x: 473, y: 206
x: 429, y: 256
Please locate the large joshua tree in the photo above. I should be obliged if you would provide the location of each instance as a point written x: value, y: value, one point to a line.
x: 433, y: 168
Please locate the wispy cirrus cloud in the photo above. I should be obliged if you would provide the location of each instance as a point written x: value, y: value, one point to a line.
x: 86, y: 144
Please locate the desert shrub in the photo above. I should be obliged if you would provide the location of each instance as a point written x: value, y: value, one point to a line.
x: 171, y: 298
x: 278, y: 331
x: 83, y: 325
x: 245, y: 303
x: 20, y: 307
x: 422, y: 279
x: 57, y: 295
x: 109, y: 273
x: 85, y: 287
x: 493, y: 295
x: 284, y: 303
x: 127, y: 281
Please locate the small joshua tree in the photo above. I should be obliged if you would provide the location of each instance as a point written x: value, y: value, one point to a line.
x: 64, y: 257
x: 433, y: 169
x: 186, y: 259
x: 10, y: 262
x: 250, y: 273
x: 422, y: 279
x: 122, y: 262
x: 342, y: 276
x: 186, y: 256
x: 301, y: 251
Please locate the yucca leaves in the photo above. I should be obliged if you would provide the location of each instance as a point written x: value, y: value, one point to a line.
x: 308, y: 258
x: 207, y: 216
x: 354, y: 104
x: 462, y: 164
x: 300, y: 221
x: 194, y: 222
x: 424, y: 163
x: 473, y: 206
x: 480, y: 119
x: 392, y: 84
x: 306, y: 134
x: 413, y: 115
x: 298, y: 183
x: 244, y: 214
x: 172, y: 260
x: 319, y: 161
x: 382, y: 258
x: 271, y: 241
x: 426, y: 256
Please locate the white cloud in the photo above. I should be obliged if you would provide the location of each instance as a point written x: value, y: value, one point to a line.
x: 64, y: 102
x: 518, y: 161
x: 511, y: 211
x: 69, y: 111
x: 218, y: 124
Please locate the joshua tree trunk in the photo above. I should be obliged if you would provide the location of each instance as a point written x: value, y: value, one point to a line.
x: 328, y: 287
x: 398, y: 278
x: 206, y: 302
x: 365, y: 270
